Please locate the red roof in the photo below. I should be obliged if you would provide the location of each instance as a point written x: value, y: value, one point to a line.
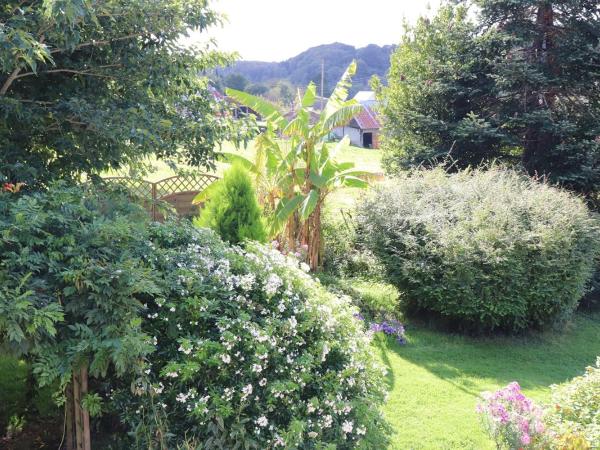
x: 366, y: 119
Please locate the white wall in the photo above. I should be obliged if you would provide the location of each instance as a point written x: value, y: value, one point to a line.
x: 352, y: 133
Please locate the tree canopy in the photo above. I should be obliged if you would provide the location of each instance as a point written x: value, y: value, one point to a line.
x: 89, y: 85
x: 519, y: 83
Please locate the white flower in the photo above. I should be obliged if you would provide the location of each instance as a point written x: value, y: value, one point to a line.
x: 327, y: 421
x: 181, y: 397
x: 246, y: 282
x: 263, y: 382
x: 184, y: 350
x: 310, y: 408
x: 172, y: 309
x: 313, y: 434
x: 279, y: 442
x: 273, y: 283
x: 262, y: 421
x: 305, y: 267
x: 347, y: 426
x: 257, y: 368
x: 172, y: 374
x: 226, y: 358
x: 361, y: 430
x: 247, y: 390
x: 293, y: 322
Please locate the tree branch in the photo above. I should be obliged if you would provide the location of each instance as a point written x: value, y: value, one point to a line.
x: 98, y: 43
x: 73, y: 71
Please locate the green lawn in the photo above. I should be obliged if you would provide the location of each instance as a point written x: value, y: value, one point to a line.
x: 435, y: 379
x: 365, y: 159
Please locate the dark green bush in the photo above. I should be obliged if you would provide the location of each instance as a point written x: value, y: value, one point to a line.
x: 233, y: 210
x: 13, y: 389
x: 484, y: 250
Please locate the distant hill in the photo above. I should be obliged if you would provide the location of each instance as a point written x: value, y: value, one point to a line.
x: 306, y: 67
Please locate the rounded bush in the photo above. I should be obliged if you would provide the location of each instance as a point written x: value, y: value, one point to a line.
x: 250, y: 352
x: 485, y: 250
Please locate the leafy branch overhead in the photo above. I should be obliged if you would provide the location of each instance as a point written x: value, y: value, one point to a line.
x: 103, y: 84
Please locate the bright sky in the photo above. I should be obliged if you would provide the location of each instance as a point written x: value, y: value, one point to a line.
x: 274, y: 30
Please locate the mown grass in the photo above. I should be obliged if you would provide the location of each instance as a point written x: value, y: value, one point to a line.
x: 365, y: 159
x: 435, y: 379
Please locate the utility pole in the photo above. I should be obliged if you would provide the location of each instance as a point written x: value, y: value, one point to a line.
x: 322, y: 82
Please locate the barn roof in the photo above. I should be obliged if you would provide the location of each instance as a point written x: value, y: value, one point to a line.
x: 366, y: 120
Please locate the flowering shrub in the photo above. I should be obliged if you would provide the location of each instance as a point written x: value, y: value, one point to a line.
x: 575, y: 411
x: 250, y: 352
x: 513, y: 420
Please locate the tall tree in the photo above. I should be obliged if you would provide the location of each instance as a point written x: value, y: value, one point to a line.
x: 521, y: 84
x: 87, y: 85
x: 549, y: 94
x: 436, y: 104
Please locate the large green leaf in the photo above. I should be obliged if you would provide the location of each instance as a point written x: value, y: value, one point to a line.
x: 309, y: 203
x: 341, y: 116
x: 356, y: 182
x: 285, y: 208
x: 310, y: 95
x: 340, y: 92
x: 239, y: 159
x: 261, y: 106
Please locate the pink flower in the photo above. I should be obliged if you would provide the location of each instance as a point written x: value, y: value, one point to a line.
x: 525, y: 439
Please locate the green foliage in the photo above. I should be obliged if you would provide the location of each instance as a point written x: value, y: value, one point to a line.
x: 301, y: 170
x: 71, y: 281
x: 516, y: 83
x: 89, y: 86
x: 434, y: 106
x: 13, y: 389
x: 250, y: 352
x: 343, y: 253
x: 484, y: 250
x: 574, y: 414
x: 233, y: 210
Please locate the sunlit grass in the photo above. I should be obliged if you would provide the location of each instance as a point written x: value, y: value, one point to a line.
x: 435, y: 379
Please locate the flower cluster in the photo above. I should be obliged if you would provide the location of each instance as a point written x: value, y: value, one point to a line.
x: 513, y: 420
x: 388, y: 327
x: 245, y: 339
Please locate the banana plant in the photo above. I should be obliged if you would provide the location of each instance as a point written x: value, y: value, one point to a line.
x: 296, y: 165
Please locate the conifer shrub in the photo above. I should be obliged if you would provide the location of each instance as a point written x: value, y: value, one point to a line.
x: 233, y: 210
x: 484, y: 250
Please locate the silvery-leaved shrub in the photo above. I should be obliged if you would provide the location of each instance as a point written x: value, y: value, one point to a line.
x: 484, y: 250
x: 250, y: 352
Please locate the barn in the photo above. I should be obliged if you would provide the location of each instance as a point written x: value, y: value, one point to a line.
x: 363, y: 130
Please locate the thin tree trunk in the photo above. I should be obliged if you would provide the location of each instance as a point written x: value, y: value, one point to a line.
x: 78, y: 419
x: 77, y: 410
x: 69, y: 418
x: 538, y: 141
x: 87, y: 442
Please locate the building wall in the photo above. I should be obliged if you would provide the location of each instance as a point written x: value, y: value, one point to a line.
x: 353, y: 134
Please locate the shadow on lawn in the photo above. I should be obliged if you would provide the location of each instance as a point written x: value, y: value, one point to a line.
x: 535, y: 361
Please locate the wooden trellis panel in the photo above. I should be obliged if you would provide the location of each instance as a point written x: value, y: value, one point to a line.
x: 179, y: 191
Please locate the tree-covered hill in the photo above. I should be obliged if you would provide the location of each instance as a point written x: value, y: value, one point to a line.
x: 306, y: 67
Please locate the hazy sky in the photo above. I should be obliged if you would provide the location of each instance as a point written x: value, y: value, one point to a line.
x: 274, y: 30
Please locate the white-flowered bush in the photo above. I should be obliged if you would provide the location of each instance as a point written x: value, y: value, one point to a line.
x: 251, y: 352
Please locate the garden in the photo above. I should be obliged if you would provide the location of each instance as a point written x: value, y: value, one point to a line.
x: 312, y: 302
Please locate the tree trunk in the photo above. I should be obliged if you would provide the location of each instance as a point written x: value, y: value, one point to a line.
x: 537, y: 140
x: 313, y: 238
x: 77, y: 418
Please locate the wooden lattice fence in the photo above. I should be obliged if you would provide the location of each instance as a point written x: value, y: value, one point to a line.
x: 179, y: 191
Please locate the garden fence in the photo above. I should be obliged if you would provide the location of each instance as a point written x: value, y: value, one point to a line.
x: 179, y: 191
